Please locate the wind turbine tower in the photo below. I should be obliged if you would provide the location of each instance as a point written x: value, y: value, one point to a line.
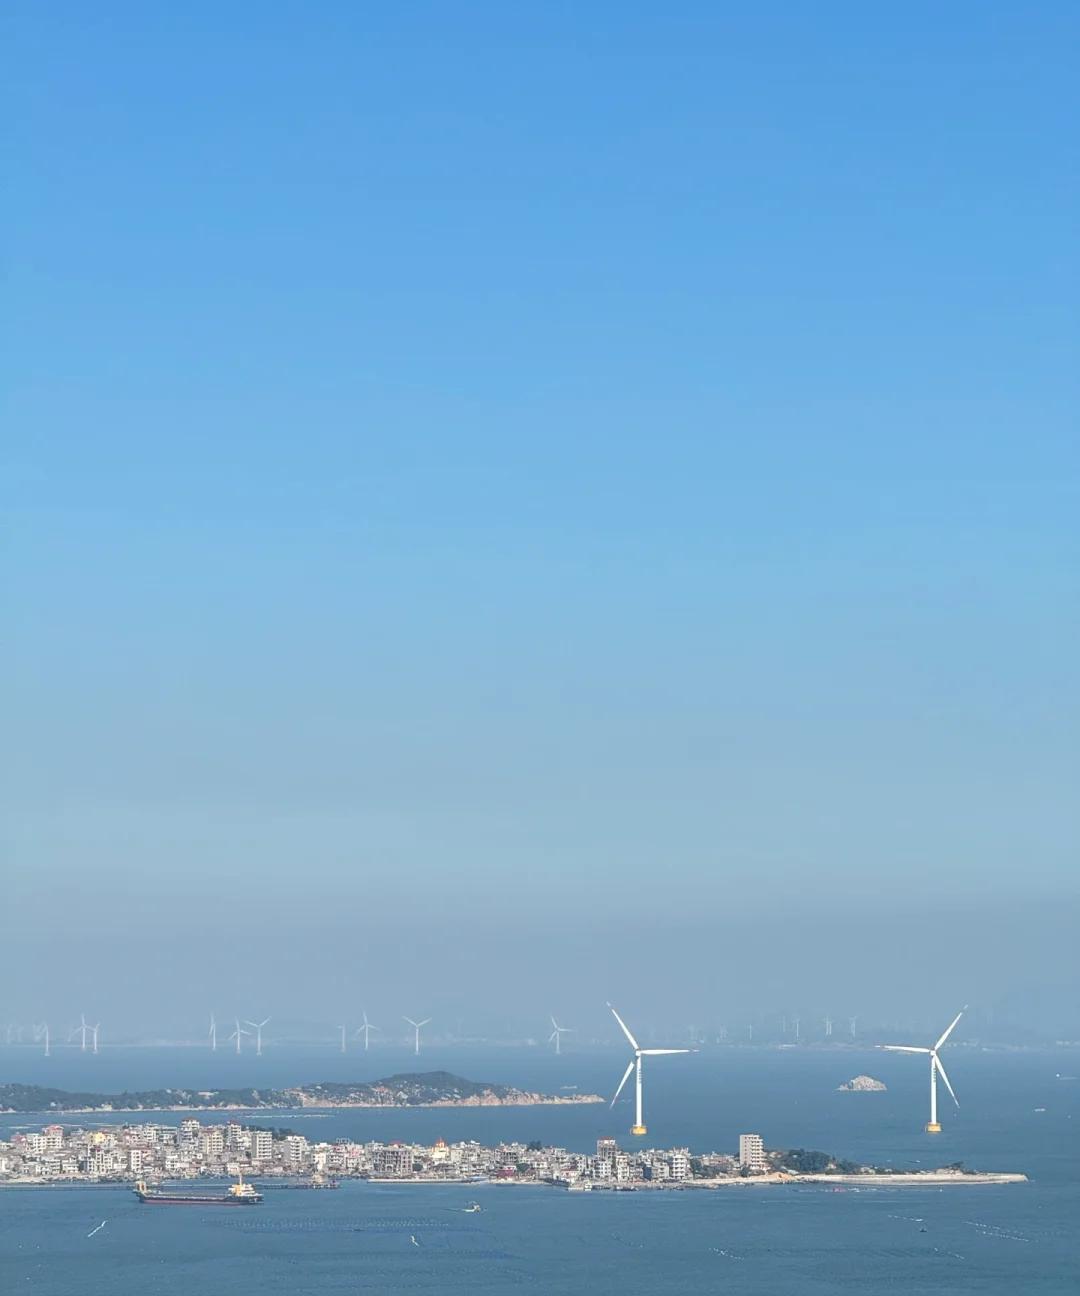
x: 94, y: 1031
x: 365, y: 1028
x: 237, y: 1035
x: 557, y: 1032
x: 42, y: 1033
x: 634, y: 1065
x: 416, y: 1028
x: 258, y: 1034
x: 343, y: 1037
x: 851, y: 1025
x: 828, y: 1028
x: 936, y: 1069
x: 212, y: 1033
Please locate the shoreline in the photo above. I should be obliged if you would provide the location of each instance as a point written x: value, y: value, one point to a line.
x: 311, y: 1108
x: 902, y: 1179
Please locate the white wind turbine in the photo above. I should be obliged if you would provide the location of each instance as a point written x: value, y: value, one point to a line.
x: 212, y: 1033
x: 365, y: 1028
x: 416, y: 1027
x: 557, y: 1032
x: 634, y: 1064
x: 42, y: 1033
x: 94, y: 1031
x: 936, y: 1069
x: 237, y: 1035
x: 80, y: 1030
x: 343, y: 1029
x: 258, y: 1034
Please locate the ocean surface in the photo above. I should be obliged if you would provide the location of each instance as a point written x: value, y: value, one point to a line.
x: 1020, y: 1111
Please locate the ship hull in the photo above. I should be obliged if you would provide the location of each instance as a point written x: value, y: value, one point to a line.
x: 160, y: 1199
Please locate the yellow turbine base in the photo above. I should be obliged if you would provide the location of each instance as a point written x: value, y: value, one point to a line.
x: 638, y: 1129
x: 932, y: 1127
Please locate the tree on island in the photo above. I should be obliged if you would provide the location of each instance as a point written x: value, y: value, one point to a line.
x: 809, y: 1161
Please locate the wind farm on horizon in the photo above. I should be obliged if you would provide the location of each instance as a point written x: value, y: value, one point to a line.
x: 249, y: 1037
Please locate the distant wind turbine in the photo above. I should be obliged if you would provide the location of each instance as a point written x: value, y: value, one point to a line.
x: 212, y: 1033
x: 343, y: 1029
x: 936, y: 1069
x: 365, y: 1028
x: 94, y: 1030
x: 258, y: 1034
x: 238, y: 1035
x: 634, y: 1064
x: 557, y: 1032
x: 416, y: 1027
x: 42, y: 1033
x: 80, y: 1030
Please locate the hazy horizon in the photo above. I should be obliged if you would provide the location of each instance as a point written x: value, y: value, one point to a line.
x: 507, y: 509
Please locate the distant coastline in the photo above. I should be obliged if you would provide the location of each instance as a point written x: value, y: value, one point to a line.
x: 422, y: 1089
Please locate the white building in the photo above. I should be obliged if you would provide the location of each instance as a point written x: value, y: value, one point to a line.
x: 262, y: 1145
x: 752, y: 1153
x: 296, y: 1147
x: 212, y: 1142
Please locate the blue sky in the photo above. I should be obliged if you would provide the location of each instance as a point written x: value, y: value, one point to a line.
x: 494, y: 462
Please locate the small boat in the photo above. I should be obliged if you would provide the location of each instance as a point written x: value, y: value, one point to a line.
x: 473, y: 1208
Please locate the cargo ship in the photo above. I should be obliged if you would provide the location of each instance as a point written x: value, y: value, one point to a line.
x: 237, y: 1194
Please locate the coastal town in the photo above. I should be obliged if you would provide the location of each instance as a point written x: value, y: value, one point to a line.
x: 155, y: 1152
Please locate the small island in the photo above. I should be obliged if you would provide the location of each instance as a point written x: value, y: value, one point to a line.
x: 861, y: 1084
x: 421, y: 1089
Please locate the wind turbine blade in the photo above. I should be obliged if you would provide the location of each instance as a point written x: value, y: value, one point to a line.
x: 952, y: 1027
x: 626, y: 1076
x: 941, y: 1072
x: 625, y: 1028
x: 554, y: 1024
x: 554, y: 1035
x: 661, y: 1052
x: 425, y: 1022
x: 410, y: 1021
x: 903, y: 1048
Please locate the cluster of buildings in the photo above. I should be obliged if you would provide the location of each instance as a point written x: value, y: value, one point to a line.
x: 191, y: 1150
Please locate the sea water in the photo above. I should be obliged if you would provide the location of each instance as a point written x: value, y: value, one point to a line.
x: 1020, y: 1112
